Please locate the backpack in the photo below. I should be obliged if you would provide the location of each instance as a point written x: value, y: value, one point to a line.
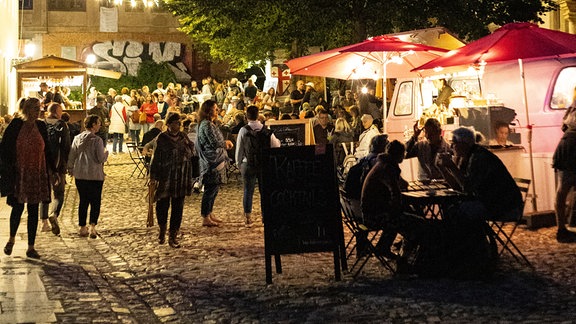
x: 55, y: 135
x: 135, y: 117
x: 253, y: 143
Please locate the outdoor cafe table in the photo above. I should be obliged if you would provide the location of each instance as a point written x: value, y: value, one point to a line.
x: 430, y: 198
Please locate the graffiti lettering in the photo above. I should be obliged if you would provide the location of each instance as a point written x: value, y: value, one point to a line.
x: 126, y: 56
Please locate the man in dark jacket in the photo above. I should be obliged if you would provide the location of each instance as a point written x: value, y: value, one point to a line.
x: 59, y: 144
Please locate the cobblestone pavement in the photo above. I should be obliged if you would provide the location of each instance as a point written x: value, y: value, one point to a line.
x: 218, y: 276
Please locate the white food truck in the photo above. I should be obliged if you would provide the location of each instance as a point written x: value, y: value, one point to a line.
x: 482, y: 99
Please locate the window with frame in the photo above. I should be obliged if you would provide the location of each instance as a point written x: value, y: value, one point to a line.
x: 26, y: 4
x: 67, y: 5
x: 404, y: 103
x: 564, y: 92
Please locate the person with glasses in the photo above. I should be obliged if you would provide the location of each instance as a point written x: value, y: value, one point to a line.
x: 480, y: 174
x: 26, y: 162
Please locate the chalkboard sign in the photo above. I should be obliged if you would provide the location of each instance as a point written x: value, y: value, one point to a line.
x: 293, y: 132
x: 300, y: 205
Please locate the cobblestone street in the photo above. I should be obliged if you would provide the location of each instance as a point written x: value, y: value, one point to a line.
x: 218, y: 276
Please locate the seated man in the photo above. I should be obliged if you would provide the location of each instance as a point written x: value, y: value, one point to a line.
x: 482, y: 175
x: 426, y: 150
x: 370, y: 131
x: 382, y: 204
x: 323, y: 129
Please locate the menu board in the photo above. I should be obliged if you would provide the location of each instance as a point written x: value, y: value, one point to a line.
x: 292, y: 132
x: 300, y: 205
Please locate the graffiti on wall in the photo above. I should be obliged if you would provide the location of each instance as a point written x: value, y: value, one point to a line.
x: 126, y: 56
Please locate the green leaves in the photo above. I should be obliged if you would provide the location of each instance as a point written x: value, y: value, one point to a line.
x: 242, y: 31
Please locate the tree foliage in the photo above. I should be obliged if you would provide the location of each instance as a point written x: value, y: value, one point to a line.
x: 242, y: 31
x: 149, y: 73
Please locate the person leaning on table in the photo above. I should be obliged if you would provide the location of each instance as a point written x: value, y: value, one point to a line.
x: 483, y: 177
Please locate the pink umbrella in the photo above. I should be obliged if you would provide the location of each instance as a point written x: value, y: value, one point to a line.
x: 514, y: 41
x: 374, y: 58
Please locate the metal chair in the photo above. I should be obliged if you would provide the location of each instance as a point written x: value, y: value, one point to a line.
x: 505, y: 237
x: 140, y: 164
x: 353, y: 220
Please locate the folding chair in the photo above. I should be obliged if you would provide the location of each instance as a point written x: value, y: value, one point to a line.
x: 505, y: 237
x: 140, y: 165
x: 353, y: 220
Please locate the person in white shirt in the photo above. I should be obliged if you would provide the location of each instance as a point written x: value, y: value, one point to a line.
x: 250, y: 172
x: 370, y: 131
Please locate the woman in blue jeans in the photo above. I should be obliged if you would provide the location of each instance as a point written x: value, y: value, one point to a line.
x: 86, y: 165
x: 211, y: 148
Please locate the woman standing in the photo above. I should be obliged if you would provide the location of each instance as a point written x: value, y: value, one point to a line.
x: 171, y: 170
x: 149, y: 108
x: 211, y: 148
x: 86, y: 165
x: 565, y: 170
x: 270, y: 100
x: 117, y: 123
x: 25, y: 180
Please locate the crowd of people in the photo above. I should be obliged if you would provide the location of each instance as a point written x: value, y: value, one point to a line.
x: 192, y: 140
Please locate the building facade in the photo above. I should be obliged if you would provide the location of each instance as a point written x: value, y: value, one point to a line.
x: 120, y: 34
x: 8, y: 54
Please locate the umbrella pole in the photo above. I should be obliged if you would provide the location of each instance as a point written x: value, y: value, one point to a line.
x: 529, y: 126
x: 384, y: 99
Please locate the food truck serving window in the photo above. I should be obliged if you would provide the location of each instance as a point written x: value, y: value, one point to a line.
x: 564, y: 92
x: 404, y: 104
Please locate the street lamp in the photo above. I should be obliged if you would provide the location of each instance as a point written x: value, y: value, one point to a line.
x: 29, y: 49
x: 90, y: 59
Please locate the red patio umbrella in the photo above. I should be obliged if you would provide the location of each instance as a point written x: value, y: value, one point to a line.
x: 514, y: 41
x: 375, y: 58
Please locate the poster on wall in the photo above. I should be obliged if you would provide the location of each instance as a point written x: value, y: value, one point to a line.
x: 108, y: 20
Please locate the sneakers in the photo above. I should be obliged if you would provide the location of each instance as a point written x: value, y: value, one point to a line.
x: 32, y: 254
x: 8, y: 248
x: 45, y: 227
x: 565, y: 236
x: 55, y: 227
x: 83, y: 231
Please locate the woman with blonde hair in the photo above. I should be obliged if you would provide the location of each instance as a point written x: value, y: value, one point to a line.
x: 26, y: 160
x: 342, y: 134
